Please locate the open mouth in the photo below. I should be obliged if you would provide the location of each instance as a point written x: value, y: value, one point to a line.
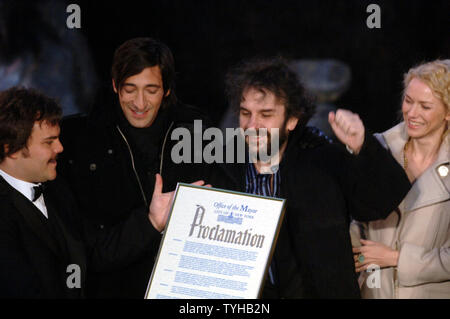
x: 414, y: 124
x: 257, y: 142
x: 139, y: 114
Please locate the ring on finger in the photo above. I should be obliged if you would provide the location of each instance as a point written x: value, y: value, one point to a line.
x: 361, y: 258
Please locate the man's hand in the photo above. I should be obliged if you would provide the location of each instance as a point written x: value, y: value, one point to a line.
x: 348, y: 128
x: 160, y: 205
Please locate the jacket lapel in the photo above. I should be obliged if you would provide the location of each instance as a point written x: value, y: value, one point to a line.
x: 31, y: 214
x: 433, y: 186
x: 395, y: 139
x: 423, y: 194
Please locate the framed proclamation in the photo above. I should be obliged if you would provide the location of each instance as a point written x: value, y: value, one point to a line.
x: 217, y: 245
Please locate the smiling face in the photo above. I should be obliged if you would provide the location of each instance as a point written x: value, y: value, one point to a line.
x: 425, y: 115
x: 37, y: 162
x: 141, y: 96
x: 260, y: 109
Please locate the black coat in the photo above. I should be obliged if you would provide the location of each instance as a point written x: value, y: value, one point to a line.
x: 103, y: 168
x: 325, y: 186
x: 35, y: 251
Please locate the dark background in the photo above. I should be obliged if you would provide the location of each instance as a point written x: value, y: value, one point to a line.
x: 209, y: 36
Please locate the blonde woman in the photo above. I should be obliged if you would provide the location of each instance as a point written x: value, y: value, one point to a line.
x: 411, y: 247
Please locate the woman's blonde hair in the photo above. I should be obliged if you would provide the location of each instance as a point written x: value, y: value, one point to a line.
x: 436, y: 74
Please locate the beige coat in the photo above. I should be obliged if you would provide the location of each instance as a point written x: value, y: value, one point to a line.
x: 422, y: 235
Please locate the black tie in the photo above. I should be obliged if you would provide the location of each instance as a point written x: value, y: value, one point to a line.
x: 38, y: 190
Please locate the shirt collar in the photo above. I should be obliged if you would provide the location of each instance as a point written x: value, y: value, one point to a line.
x: 25, y: 188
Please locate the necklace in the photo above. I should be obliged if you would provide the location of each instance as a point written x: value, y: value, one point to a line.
x: 405, y: 159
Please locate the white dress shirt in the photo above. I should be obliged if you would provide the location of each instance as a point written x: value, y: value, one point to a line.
x: 26, y: 189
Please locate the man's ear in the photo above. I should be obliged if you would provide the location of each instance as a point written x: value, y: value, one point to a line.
x: 292, y: 123
x: 13, y: 155
x: 114, y: 86
x: 167, y: 93
x: 5, y: 149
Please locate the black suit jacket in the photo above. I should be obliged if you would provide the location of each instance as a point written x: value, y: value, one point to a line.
x: 35, y: 252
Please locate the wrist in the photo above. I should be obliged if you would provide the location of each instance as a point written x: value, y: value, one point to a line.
x: 353, y: 151
x: 394, y: 258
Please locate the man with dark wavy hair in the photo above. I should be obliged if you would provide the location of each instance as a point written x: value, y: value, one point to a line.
x: 324, y: 184
x: 113, y: 154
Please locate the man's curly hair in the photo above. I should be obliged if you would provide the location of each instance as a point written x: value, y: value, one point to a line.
x: 273, y: 75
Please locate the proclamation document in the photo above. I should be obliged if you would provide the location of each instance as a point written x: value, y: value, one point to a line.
x: 217, y: 245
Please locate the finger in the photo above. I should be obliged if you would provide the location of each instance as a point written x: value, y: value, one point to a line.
x: 360, y: 269
x: 359, y: 266
x: 337, y: 118
x: 348, y: 129
x: 331, y: 117
x: 340, y: 114
x: 342, y: 121
x: 334, y: 127
x: 367, y: 242
x: 198, y: 183
x: 356, y: 250
x: 208, y: 185
x: 343, y: 113
x: 352, y: 130
x: 158, y: 184
x: 364, y: 263
x: 333, y: 122
x: 344, y: 116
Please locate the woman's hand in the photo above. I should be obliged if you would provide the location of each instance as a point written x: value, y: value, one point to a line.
x: 372, y: 252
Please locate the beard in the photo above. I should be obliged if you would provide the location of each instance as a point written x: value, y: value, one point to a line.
x: 263, y: 148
